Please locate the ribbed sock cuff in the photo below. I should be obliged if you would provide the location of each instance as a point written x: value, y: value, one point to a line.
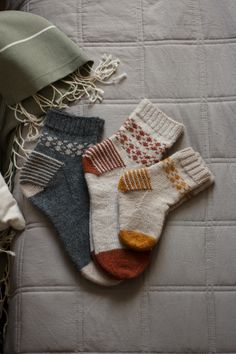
x: 157, y: 120
x: 74, y: 125
x: 195, y: 167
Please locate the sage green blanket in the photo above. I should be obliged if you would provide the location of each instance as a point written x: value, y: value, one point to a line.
x: 33, y: 54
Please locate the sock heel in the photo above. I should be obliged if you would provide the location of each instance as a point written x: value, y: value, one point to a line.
x: 135, y: 180
x: 37, y: 172
x: 102, y: 158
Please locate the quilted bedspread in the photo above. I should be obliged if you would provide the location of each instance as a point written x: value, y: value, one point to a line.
x: 181, y: 54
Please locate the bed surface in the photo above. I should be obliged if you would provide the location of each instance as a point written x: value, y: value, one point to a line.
x: 181, y: 54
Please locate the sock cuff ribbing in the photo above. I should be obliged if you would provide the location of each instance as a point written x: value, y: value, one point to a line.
x: 147, y: 134
x: 74, y: 125
x: 194, y: 166
x: 162, y: 124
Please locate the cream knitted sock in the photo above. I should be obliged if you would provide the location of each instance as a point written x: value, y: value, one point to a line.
x: 148, y: 194
x: 141, y: 141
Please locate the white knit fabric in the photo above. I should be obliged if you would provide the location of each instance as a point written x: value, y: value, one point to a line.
x: 10, y: 214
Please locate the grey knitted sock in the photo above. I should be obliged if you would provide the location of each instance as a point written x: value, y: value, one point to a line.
x: 53, y: 180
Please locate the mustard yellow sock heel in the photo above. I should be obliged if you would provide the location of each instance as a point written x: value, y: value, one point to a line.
x: 137, y: 240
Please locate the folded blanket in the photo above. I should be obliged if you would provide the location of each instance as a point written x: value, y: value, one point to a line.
x: 33, y: 55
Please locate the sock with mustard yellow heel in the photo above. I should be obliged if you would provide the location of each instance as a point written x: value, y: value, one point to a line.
x: 148, y: 194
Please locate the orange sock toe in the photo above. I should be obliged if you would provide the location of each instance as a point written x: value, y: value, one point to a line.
x: 137, y: 240
x: 123, y: 263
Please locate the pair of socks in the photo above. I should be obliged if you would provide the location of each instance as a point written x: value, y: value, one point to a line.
x: 130, y: 187
x: 52, y: 179
x: 132, y: 190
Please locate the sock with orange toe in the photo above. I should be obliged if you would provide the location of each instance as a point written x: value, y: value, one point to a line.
x: 141, y: 141
x: 148, y: 194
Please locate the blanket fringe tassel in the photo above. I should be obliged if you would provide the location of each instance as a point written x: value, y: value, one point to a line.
x: 78, y: 87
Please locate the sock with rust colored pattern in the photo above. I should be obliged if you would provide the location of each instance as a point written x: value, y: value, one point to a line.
x: 141, y: 141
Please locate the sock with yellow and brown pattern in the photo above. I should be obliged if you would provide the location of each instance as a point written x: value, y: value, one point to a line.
x: 148, y: 194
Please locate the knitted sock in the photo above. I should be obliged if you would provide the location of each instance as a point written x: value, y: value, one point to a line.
x: 141, y: 141
x: 53, y: 180
x: 10, y: 214
x: 148, y: 194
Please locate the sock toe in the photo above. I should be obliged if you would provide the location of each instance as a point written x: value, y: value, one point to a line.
x: 137, y: 240
x: 98, y: 276
x: 123, y: 263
